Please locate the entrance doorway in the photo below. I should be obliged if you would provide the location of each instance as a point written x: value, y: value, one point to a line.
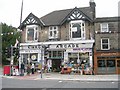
x: 56, y: 63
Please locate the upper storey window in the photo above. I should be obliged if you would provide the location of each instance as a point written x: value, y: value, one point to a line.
x: 53, y: 32
x: 31, y: 33
x: 104, y: 27
x: 77, y: 29
x: 105, y: 44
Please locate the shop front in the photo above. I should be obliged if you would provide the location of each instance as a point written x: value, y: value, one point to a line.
x: 31, y: 54
x: 107, y: 62
x: 71, y: 54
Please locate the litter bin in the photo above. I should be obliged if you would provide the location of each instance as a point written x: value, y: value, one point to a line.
x: 6, y: 70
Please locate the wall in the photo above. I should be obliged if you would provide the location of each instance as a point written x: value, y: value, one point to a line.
x: 112, y: 35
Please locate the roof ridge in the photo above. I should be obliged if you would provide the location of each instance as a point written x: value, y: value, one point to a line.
x: 64, y: 10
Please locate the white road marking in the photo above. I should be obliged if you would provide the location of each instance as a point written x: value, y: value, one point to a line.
x: 60, y: 81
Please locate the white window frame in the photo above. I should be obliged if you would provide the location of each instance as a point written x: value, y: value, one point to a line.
x: 103, y: 28
x: 36, y: 29
x: 83, y: 32
x: 53, y: 29
x: 105, y: 43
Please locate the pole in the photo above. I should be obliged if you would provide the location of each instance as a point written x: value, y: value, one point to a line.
x: 41, y: 59
x: 21, y: 12
x: 11, y: 61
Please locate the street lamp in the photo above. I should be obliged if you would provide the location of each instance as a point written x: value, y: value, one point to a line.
x: 41, y: 61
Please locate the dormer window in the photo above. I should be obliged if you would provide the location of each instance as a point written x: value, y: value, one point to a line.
x: 31, y: 33
x: 53, y: 32
x: 77, y: 29
x: 104, y: 27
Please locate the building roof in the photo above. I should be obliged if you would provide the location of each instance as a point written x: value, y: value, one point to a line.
x: 107, y: 19
x: 57, y: 17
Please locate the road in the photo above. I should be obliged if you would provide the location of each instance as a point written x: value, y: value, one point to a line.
x: 15, y: 83
x: 1, y: 77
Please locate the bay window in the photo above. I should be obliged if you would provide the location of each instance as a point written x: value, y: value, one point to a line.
x: 31, y: 33
x: 77, y: 29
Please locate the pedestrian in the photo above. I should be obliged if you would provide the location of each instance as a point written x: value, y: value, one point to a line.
x: 22, y: 69
x: 32, y: 68
x: 28, y: 69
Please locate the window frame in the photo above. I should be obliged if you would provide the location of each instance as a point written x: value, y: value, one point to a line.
x: 53, y: 29
x: 105, y: 43
x: 82, y: 27
x: 35, y: 28
x: 101, y: 27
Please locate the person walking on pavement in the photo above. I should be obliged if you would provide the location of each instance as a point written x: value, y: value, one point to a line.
x: 22, y: 69
x: 28, y: 69
x: 32, y: 68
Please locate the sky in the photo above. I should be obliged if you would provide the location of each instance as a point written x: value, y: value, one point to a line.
x: 10, y: 9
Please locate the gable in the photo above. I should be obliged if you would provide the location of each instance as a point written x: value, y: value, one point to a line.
x: 31, y: 20
x: 76, y: 14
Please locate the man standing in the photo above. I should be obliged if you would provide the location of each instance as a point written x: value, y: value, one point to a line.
x: 22, y: 69
x: 33, y: 67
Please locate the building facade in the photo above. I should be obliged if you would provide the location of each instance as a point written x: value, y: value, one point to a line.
x: 67, y: 36
x: 107, y: 46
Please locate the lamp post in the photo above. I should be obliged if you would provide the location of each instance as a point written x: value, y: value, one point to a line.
x: 41, y: 61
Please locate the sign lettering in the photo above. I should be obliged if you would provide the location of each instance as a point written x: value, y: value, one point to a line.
x: 67, y: 46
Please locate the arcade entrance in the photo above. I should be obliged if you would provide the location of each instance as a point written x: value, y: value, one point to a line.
x: 56, y: 63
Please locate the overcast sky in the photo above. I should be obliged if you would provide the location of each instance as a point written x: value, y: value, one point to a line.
x: 10, y: 9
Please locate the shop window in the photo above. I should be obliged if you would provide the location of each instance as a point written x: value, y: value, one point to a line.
x: 110, y: 66
x: 106, y: 66
x: 118, y: 63
x: 101, y: 63
x: 101, y: 66
x: 105, y: 44
x: 59, y: 53
x: 104, y: 27
x: 54, y: 53
x: 110, y: 63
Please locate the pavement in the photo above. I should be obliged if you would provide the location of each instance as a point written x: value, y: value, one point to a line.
x: 58, y: 76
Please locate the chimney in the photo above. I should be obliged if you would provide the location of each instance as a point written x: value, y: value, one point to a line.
x: 92, y: 5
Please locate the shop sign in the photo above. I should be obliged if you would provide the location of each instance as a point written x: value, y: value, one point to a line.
x: 67, y: 46
x: 33, y: 47
x: 30, y: 51
x: 108, y: 54
x: 82, y: 49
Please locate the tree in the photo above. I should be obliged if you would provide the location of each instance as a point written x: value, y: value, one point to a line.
x: 9, y: 35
